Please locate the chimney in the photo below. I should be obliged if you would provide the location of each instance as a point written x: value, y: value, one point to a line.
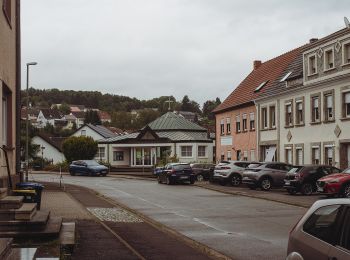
x: 256, y: 64
x: 312, y: 40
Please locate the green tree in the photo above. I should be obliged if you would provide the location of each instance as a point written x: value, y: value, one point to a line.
x: 92, y: 117
x: 64, y: 108
x: 208, y: 108
x: 79, y: 148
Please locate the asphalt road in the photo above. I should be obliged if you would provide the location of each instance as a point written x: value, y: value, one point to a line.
x: 237, y: 226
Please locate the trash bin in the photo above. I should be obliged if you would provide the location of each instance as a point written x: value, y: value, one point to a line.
x: 32, y: 186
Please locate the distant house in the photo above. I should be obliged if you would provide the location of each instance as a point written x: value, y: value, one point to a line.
x: 50, y: 147
x: 96, y: 132
x: 48, y: 116
x: 104, y: 116
x: 79, y: 118
x: 77, y: 108
x: 170, y: 135
x: 190, y: 116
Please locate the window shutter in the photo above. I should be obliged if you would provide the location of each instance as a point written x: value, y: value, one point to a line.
x: 347, y: 98
x: 329, y: 101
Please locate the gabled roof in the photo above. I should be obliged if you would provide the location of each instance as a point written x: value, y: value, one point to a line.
x: 172, y: 121
x: 267, y: 72
x: 101, y: 130
x: 51, y: 113
x: 54, y: 141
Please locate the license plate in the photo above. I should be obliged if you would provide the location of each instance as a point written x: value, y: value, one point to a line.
x: 183, y: 177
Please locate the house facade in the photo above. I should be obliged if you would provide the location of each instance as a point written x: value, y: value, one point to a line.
x: 168, y: 136
x: 313, y: 106
x: 50, y: 148
x: 48, y: 116
x: 9, y: 86
x: 236, y: 135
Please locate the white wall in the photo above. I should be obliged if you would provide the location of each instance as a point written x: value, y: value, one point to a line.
x: 89, y: 132
x: 50, y: 152
x: 194, y: 158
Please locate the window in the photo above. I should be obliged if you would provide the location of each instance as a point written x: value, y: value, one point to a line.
x: 299, y: 113
x: 186, y: 151
x: 222, y: 126
x: 321, y: 224
x: 315, y: 115
x: 346, y: 53
x: 245, y: 155
x: 346, y: 104
x: 289, y: 157
x: 289, y: 114
x: 252, y: 155
x: 286, y: 76
x: 328, y: 59
x: 228, y: 125
x: 252, y: 121
x: 238, y: 124
x: 100, y: 152
x: 238, y: 154
x: 201, y: 151
x: 118, y: 156
x: 312, y: 65
x: 315, y: 156
x: 83, y: 132
x: 228, y: 155
x: 264, y: 117
x: 299, y: 158
x: 328, y: 107
x: 260, y: 86
x: 222, y: 156
x: 272, y: 117
x: 328, y: 155
x: 244, y: 122
x: 6, y: 8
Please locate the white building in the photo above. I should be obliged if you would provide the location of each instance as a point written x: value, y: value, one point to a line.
x: 50, y: 148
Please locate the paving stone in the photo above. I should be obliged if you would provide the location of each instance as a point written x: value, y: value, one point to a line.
x: 114, y: 215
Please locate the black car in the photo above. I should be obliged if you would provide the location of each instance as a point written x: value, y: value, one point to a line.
x: 303, y: 178
x: 176, y: 172
x: 87, y: 167
x: 202, y: 170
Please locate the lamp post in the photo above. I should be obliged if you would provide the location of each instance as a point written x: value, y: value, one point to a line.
x: 27, y: 121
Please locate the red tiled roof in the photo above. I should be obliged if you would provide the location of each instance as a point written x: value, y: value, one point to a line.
x: 267, y: 71
x: 104, y: 115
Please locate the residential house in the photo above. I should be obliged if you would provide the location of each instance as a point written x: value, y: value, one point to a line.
x: 190, y: 116
x: 236, y: 117
x: 312, y: 100
x: 78, y: 117
x: 96, y: 132
x: 48, y: 116
x: 10, y: 86
x: 50, y: 148
x: 104, y: 116
x: 170, y: 135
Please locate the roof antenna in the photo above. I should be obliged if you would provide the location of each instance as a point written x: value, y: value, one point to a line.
x: 347, y: 23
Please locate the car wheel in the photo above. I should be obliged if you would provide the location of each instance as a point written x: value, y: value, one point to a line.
x: 200, y: 177
x: 168, y: 181
x: 159, y: 180
x: 236, y: 180
x: 266, y: 184
x: 306, y: 189
x: 346, y: 191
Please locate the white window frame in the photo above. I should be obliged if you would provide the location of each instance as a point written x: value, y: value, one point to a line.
x: 244, y: 122
x: 186, y: 151
x: 252, y: 119
x: 346, y: 108
x: 313, y: 114
x: 228, y: 125
x: 344, y: 44
x: 325, y: 61
x: 313, y: 157
x: 328, y: 148
x: 83, y: 132
x: 101, y: 152
x: 309, y: 73
x: 299, y: 112
x: 264, y: 123
x: 238, y: 123
x: 205, y: 151
x: 115, y: 157
x: 297, y: 149
x: 222, y: 126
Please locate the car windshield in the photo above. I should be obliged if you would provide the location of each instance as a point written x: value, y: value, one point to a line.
x: 91, y: 163
x: 181, y: 166
x: 295, y: 169
x: 253, y: 165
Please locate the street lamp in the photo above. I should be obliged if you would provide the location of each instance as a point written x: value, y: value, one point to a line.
x: 27, y: 121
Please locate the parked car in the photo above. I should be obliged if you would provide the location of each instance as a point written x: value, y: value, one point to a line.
x: 158, y: 170
x: 266, y: 175
x: 335, y: 184
x: 202, y: 170
x: 303, y: 178
x: 231, y: 172
x: 87, y: 167
x: 322, y: 233
x: 176, y: 172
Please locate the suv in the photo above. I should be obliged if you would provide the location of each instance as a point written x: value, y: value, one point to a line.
x: 176, y: 172
x: 230, y: 172
x: 266, y: 175
x: 322, y: 233
x: 202, y: 170
x: 335, y: 184
x: 303, y: 178
x: 87, y: 167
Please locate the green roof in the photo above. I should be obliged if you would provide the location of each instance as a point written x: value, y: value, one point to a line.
x: 172, y: 121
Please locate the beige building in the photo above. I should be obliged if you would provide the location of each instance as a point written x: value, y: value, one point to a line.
x: 312, y: 104
x: 9, y: 84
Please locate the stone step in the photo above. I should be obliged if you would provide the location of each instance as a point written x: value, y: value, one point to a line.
x: 67, y: 239
x: 25, y: 212
x: 50, y: 230
x: 38, y: 221
x: 3, y: 192
x: 11, y: 202
x: 5, y: 247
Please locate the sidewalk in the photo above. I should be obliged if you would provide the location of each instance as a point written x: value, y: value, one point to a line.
x: 106, y: 231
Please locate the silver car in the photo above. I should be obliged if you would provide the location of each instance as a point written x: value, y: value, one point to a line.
x: 266, y: 175
x: 231, y: 172
x: 322, y: 233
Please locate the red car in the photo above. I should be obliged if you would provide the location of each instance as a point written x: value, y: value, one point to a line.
x: 335, y: 184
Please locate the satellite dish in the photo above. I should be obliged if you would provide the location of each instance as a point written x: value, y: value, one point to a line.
x: 347, y: 23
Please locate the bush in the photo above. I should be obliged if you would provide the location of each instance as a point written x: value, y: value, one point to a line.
x: 79, y: 148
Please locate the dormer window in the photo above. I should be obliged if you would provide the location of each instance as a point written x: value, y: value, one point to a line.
x: 328, y: 59
x: 286, y: 76
x: 346, y: 53
x: 312, y: 65
x: 260, y: 86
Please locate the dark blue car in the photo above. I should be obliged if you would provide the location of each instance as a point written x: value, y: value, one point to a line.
x: 176, y: 172
x: 87, y: 167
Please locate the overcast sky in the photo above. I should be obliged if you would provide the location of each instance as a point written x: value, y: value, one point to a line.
x: 152, y: 48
